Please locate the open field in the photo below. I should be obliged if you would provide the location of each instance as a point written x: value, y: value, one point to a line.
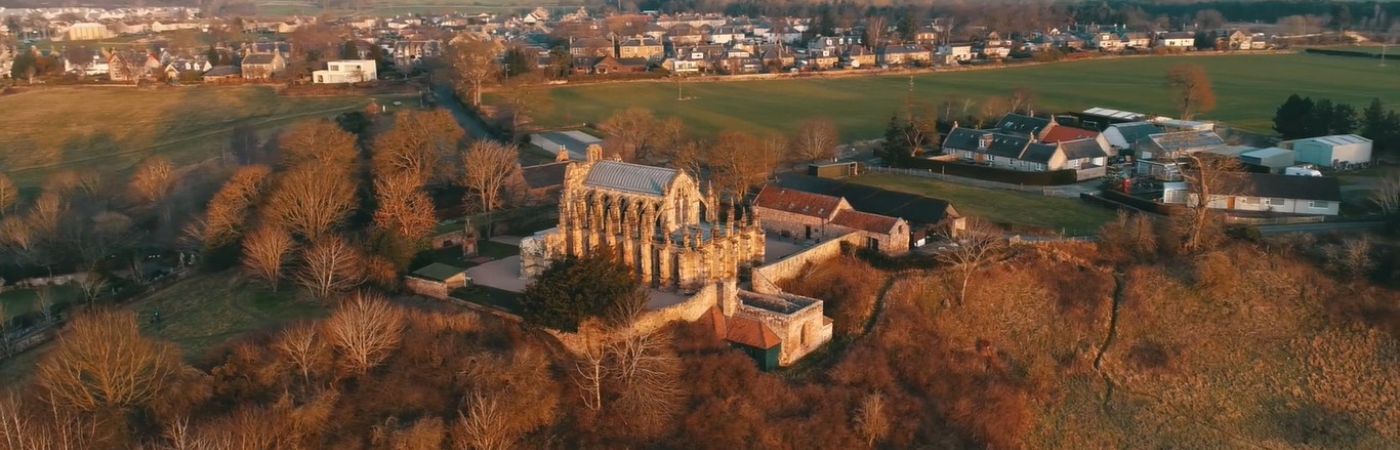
x: 1249, y: 89
x: 206, y: 310
x: 1016, y: 209
x: 21, y: 301
x: 112, y: 128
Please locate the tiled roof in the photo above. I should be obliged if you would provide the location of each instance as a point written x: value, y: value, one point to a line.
x: 874, y: 223
x: 752, y: 333
x: 797, y: 202
x: 910, y: 207
x: 1063, y: 133
x: 628, y: 177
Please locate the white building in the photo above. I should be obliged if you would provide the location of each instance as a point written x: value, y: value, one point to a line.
x: 1264, y: 193
x: 86, y: 31
x: 346, y: 71
x: 1331, y: 151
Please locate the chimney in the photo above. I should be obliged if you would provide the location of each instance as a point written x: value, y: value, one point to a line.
x: 595, y: 153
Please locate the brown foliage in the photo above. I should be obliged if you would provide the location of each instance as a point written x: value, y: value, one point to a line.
x: 331, y: 266
x: 228, y: 210
x: 417, y: 145
x: 321, y: 142
x: 102, y: 361
x: 740, y: 161
x: 9, y: 194
x: 154, y: 179
x: 403, y: 207
x: 634, y: 134
x: 265, y: 254
x: 1192, y: 90
x: 364, y: 330
x: 311, y: 201
x: 849, y: 288
x: 488, y: 170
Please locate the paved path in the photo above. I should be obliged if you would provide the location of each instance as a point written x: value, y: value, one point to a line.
x: 503, y: 274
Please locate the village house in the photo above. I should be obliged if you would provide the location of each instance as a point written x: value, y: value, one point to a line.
x: 1001, y: 149
x: 684, y: 34
x: 804, y: 215
x: 346, y: 71
x: 643, y: 48
x: 611, y: 65
x: 1108, y: 42
x: 924, y: 216
x: 956, y: 52
x: 408, y: 53
x: 1177, y: 144
x: 1255, y: 193
x: 1181, y: 40
x: 263, y: 66
x: 596, y: 47
x: 821, y: 58
x: 221, y: 74
x: 896, y: 55
x: 857, y: 56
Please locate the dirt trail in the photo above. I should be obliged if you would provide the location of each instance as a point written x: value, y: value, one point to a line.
x: 1108, y: 338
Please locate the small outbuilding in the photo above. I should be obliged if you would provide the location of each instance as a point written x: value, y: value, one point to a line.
x: 1274, y: 158
x: 436, y: 280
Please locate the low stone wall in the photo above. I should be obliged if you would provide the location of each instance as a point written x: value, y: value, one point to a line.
x: 427, y: 288
x: 765, y: 278
x: 651, y: 320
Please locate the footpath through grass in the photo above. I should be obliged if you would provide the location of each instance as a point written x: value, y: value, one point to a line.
x: 1249, y: 89
x: 1015, y: 209
x: 201, y: 312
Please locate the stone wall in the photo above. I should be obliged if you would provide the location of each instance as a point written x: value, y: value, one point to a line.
x: 802, y: 331
x: 895, y: 244
x: 651, y: 320
x: 765, y: 278
x: 427, y: 288
x: 788, y: 224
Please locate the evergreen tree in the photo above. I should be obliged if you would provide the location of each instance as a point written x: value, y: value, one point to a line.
x: 1373, y: 119
x: 1343, y: 120
x: 1290, y: 120
x: 572, y: 290
x: 895, y: 149
x: 348, y: 50
x: 1318, y: 118
x: 518, y: 62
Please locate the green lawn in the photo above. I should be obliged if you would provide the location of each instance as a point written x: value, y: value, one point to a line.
x: 1249, y: 88
x: 20, y: 301
x: 206, y: 310
x: 112, y: 128
x: 1015, y: 209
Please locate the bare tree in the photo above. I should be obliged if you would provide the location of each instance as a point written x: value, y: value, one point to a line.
x: 485, y: 425
x: 634, y: 134
x: 520, y: 100
x: 1211, y: 176
x: 816, y: 140
x: 46, y: 215
x: 872, y: 421
x: 311, y: 202
x: 590, y: 370
x: 153, y: 180
x: 1386, y: 194
x: 227, y: 213
x: 488, y: 167
x: 321, y: 141
x: 1023, y: 99
x: 265, y: 253
x: 43, y: 299
x: 735, y: 164
x: 403, y: 207
x: 977, y: 244
x: 647, y: 372
x: 1191, y: 87
x: 1352, y: 257
x: 9, y: 194
x: 364, y: 330
x: 302, y: 345
x: 92, y: 284
x: 331, y: 266
x: 103, y: 361
x: 417, y: 145
x: 475, y: 63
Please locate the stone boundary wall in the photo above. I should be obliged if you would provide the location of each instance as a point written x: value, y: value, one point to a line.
x: 765, y: 278
x: 689, y: 310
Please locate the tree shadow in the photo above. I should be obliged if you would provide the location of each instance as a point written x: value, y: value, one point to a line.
x: 1306, y: 423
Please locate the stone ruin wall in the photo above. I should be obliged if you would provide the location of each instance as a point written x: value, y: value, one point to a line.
x: 765, y: 278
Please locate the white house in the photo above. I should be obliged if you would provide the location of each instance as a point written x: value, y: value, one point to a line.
x: 956, y: 52
x: 1331, y: 151
x: 1262, y: 192
x: 85, y: 31
x: 1177, y: 39
x: 346, y: 71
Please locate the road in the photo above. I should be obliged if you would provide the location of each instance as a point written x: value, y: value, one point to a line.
x: 470, y: 123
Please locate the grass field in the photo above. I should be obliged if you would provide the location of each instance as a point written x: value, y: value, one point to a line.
x: 396, y: 7
x: 50, y: 130
x: 1015, y: 209
x: 1249, y: 89
x: 21, y: 301
x: 203, y: 311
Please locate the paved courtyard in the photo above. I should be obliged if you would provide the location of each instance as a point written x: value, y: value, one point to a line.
x: 503, y: 274
x: 776, y: 248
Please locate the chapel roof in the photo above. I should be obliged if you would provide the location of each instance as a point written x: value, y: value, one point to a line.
x: 630, y: 178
